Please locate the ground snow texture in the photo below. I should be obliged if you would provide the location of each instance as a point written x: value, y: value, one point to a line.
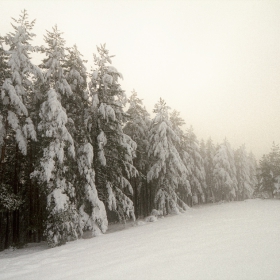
x: 238, y: 240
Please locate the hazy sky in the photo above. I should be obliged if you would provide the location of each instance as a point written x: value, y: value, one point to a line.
x: 216, y: 62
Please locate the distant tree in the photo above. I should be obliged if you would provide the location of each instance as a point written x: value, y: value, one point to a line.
x: 224, y: 173
x: 202, y: 149
x: 274, y: 159
x: 253, y: 168
x: 209, y: 167
x: 196, y: 167
x: 266, y: 184
x: 269, y: 170
x: 245, y: 187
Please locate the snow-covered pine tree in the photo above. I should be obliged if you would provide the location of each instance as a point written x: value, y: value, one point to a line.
x: 253, y: 167
x: 184, y: 187
x: 245, y: 189
x: 274, y: 159
x: 224, y: 173
x: 16, y: 89
x: 53, y: 65
x: 16, y: 124
x: 4, y: 68
x: 113, y: 149
x: 266, y: 182
x: 92, y: 211
x: 5, y: 193
x: 4, y: 74
x: 54, y: 169
x: 209, y: 167
x: 166, y: 165
x: 137, y: 128
x: 36, y: 207
x: 196, y: 167
x: 202, y: 149
x: 77, y: 103
x: 269, y: 171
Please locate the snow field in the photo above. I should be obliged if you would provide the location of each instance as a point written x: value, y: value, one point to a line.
x: 238, y: 240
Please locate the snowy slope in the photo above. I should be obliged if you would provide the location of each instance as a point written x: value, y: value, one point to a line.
x: 239, y: 240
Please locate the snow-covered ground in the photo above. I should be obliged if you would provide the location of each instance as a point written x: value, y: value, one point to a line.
x: 238, y: 240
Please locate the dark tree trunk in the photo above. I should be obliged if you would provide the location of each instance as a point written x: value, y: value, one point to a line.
x: 16, y: 212
x: 7, y: 239
x: 2, y: 231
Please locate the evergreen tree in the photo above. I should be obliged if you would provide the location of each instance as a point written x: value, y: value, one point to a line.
x: 137, y: 128
x: 274, y: 159
x: 92, y: 211
x: 4, y: 67
x: 53, y: 172
x: 54, y: 169
x: 253, y: 167
x: 16, y: 124
x: 202, y: 149
x: 113, y: 149
x: 245, y: 188
x: 53, y: 65
x: 269, y: 171
x: 166, y: 165
x: 184, y: 187
x: 71, y: 159
x: 224, y: 173
x: 209, y: 167
x: 196, y: 167
x: 15, y: 90
x: 266, y: 184
x: 4, y: 74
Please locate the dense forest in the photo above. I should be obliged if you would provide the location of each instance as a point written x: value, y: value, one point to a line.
x: 76, y: 153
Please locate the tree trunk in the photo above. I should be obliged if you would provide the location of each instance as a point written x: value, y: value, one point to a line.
x: 7, y: 239
x: 2, y: 233
x: 16, y: 212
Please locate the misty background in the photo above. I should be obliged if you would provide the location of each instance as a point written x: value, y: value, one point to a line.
x: 216, y: 62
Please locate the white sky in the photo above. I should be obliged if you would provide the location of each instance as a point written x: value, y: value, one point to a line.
x: 216, y: 62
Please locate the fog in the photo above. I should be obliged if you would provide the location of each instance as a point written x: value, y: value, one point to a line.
x: 216, y: 62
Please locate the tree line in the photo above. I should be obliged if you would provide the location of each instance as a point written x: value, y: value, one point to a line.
x: 269, y: 174
x: 72, y: 159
